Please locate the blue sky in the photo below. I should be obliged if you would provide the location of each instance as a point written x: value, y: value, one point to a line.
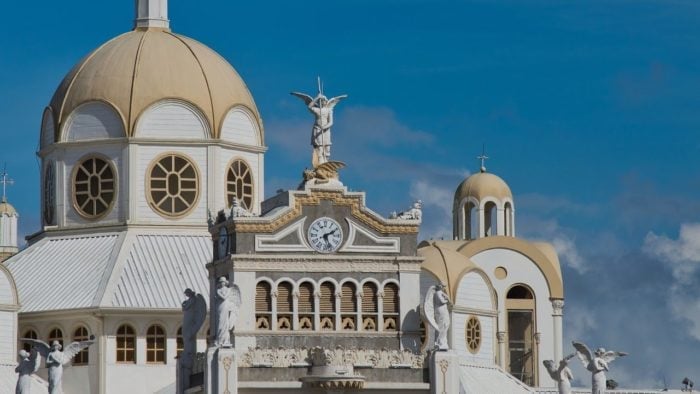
x: 590, y: 110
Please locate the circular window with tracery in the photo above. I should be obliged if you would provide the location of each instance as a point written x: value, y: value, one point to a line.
x: 94, y: 187
x: 239, y: 184
x: 473, y: 334
x: 173, y: 185
x: 49, y: 193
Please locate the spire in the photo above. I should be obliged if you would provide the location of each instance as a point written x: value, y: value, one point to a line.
x: 152, y: 13
x: 483, y: 158
x: 5, y: 180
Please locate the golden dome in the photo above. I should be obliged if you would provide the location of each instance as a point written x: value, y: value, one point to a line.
x: 139, y: 68
x: 482, y: 185
x: 7, y: 209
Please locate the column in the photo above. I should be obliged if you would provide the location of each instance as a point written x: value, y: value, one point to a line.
x: 557, y: 314
x: 295, y: 309
x: 380, y: 310
x: 501, y: 335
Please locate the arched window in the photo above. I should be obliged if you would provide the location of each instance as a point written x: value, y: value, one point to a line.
x: 239, y: 184
x: 126, y: 344
x: 155, y: 344
x: 348, y: 306
x: 179, y: 341
x: 81, y: 334
x: 94, y: 187
x: 55, y: 335
x: 263, y: 306
x: 490, y: 219
x: 522, y: 352
x: 173, y: 185
x: 370, y: 306
x: 306, y: 306
x: 31, y: 334
x: 391, y: 307
x: 471, y: 221
x: 285, y: 305
x: 327, y: 306
x: 473, y: 334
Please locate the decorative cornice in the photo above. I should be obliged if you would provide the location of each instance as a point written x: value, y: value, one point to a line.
x: 338, y: 197
x: 324, y: 263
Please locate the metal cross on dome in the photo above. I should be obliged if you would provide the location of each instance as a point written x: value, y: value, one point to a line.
x: 483, y: 159
x: 5, y: 180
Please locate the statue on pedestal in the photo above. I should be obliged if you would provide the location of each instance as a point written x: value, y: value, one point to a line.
x: 56, y: 358
x: 322, y: 109
x: 597, y: 364
x: 228, y: 302
x: 28, y: 364
x: 435, y: 309
x: 561, y: 373
x: 194, y: 310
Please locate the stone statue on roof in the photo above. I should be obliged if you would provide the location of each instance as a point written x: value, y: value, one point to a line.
x: 561, y: 373
x: 436, y: 310
x: 322, y: 109
x: 228, y: 303
x: 28, y: 364
x: 597, y: 363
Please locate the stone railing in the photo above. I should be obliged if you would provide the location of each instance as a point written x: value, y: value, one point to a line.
x: 359, y: 358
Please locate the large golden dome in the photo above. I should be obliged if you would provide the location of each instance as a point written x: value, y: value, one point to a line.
x: 138, y: 68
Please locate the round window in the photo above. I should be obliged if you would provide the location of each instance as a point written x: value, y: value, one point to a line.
x: 94, y: 187
x: 473, y: 334
x: 173, y: 185
x: 239, y: 184
x: 49, y: 193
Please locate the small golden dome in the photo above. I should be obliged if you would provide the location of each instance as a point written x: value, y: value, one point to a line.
x: 139, y: 68
x: 482, y: 185
x: 7, y: 209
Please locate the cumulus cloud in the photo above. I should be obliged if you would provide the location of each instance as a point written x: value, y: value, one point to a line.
x: 682, y: 255
x: 562, y: 238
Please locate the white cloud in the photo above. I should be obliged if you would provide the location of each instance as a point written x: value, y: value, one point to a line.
x: 682, y: 254
x: 563, y: 239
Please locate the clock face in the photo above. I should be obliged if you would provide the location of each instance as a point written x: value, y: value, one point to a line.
x: 325, y: 235
x: 222, y: 243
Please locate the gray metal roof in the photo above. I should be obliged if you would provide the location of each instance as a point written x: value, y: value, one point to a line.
x: 159, y: 268
x: 128, y: 269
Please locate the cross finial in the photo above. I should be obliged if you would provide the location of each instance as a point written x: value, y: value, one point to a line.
x: 483, y: 158
x: 5, y: 180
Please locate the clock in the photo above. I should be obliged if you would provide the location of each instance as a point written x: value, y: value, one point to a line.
x: 222, y: 243
x: 325, y: 235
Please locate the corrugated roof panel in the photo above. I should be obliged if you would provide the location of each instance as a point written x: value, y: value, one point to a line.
x: 160, y: 267
x: 61, y: 273
x: 489, y: 379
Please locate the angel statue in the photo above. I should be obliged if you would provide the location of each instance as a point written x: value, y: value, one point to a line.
x: 229, y: 300
x: 322, y: 109
x: 435, y: 309
x: 194, y: 309
x: 56, y: 359
x: 597, y: 364
x: 28, y: 364
x: 561, y: 374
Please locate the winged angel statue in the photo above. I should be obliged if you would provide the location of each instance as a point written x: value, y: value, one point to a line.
x: 229, y: 301
x: 597, y: 364
x: 322, y: 109
x: 435, y: 310
x: 56, y: 359
x: 561, y: 373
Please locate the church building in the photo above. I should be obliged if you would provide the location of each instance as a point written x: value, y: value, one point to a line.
x: 152, y: 181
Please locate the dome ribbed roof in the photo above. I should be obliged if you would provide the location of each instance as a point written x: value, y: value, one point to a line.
x: 141, y: 67
x: 7, y: 209
x: 481, y: 185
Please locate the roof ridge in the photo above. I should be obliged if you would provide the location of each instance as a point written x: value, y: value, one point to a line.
x: 116, y: 256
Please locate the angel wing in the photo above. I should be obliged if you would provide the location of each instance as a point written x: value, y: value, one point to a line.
x: 569, y: 357
x: 428, y: 308
x: 335, y: 100
x: 552, y: 369
x: 307, y: 99
x: 235, y: 296
x: 200, y: 312
x: 584, y: 353
x: 41, y: 347
x: 609, y: 356
x: 330, y: 166
x: 74, y: 348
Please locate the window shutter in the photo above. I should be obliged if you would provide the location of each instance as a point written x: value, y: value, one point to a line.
x: 348, y: 301
x: 306, y: 298
x: 263, y: 298
x: 369, y: 298
x: 327, y: 301
x: 391, y: 298
x: 284, y: 298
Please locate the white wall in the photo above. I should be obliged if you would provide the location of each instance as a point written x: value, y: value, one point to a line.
x: 171, y: 119
x: 239, y: 127
x: 93, y: 120
x: 8, y: 336
x: 8, y: 230
x: 522, y: 270
x: 486, y: 353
